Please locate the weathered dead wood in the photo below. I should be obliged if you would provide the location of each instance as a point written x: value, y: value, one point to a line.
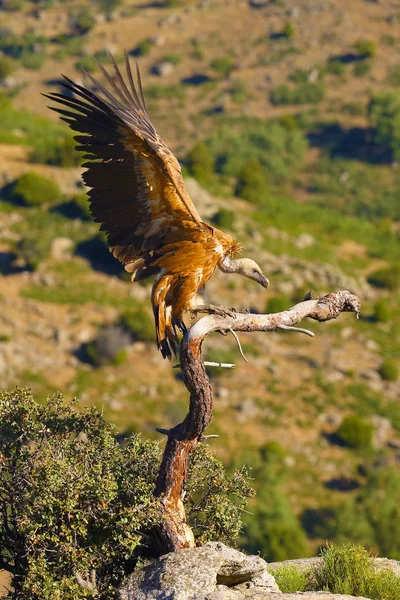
x: 183, y: 438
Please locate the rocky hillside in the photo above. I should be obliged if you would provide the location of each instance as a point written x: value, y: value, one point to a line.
x: 284, y: 116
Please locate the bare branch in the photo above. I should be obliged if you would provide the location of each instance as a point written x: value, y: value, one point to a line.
x: 175, y: 532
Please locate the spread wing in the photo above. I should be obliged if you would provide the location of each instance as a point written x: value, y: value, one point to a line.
x: 138, y: 194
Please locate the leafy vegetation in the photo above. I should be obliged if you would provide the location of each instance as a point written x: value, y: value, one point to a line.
x: 73, y: 500
x: 348, y: 569
x: 32, y: 189
x: 305, y: 93
x: 389, y: 370
x: 290, y: 579
x: 355, y: 432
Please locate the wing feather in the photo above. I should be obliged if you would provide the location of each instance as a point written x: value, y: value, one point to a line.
x: 137, y: 191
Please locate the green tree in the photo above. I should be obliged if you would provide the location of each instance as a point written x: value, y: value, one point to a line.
x: 251, y: 182
x: 372, y: 518
x: 200, y: 163
x: 273, y: 529
x: 389, y: 370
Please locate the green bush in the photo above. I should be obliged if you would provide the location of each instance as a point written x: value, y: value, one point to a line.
x: 388, y: 278
x: 305, y: 93
x: 143, y: 48
x: 33, y: 189
x: 108, y: 347
x: 362, y: 68
x: 139, y: 324
x: 6, y: 67
x: 389, y: 371
x: 86, y: 64
x: 393, y: 77
x: 223, y: 66
x: 109, y: 6
x: 288, y: 31
x: 278, y: 150
x: 83, y: 20
x: 277, y: 304
x: 251, y: 182
x: 200, y: 163
x: 366, y: 48
x: 384, y: 118
x: 335, y: 67
x: 59, y: 151
x: 32, y: 60
x: 31, y: 251
x: 81, y: 205
x: 82, y: 503
x: 290, y: 579
x: 349, y: 569
x: 356, y: 432
x: 224, y: 218
x: 174, y: 59
x: 382, y: 311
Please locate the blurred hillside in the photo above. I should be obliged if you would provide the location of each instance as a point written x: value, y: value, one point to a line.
x: 286, y: 118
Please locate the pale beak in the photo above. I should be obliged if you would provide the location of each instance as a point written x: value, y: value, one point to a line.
x: 263, y: 280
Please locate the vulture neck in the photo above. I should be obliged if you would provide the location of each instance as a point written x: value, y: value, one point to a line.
x: 228, y: 265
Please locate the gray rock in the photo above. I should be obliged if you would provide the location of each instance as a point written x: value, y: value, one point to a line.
x: 200, y: 574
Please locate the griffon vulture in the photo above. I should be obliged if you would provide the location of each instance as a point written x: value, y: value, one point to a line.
x: 139, y: 198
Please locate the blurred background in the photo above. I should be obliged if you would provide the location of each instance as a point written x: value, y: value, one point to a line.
x: 286, y: 119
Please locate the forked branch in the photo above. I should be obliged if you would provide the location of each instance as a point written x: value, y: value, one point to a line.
x: 183, y: 438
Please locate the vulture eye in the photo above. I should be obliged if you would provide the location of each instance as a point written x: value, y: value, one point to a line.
x: 255, y: 271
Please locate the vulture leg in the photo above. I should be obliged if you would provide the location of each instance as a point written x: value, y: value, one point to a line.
x: 212, y: 309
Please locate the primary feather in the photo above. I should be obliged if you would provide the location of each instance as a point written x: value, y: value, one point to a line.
x: 138, y: 196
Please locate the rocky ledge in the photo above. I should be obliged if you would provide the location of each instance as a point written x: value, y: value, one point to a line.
x: 212, y: 572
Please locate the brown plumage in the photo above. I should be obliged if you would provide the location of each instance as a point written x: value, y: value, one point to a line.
x: 139, y: 198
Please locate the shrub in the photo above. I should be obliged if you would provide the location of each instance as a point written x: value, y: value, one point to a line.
x: 356, y: 432
x: 366, y: 48
x: 139, y: 324
x: 382, y: 312
x: 349, y: 569
x: 32, y: 60
x: 388, y: 278
x: 6, y: 67
x: 83, y: 20
x: 82, y: 503
x: 109, y: 6
x: 277, y: 304
x: 86, y: 64
x: 278, y: 150
x: 59, y: 151
x: 81, y: 204
x: 305, y: 93
x: 251, y: 182
x: 290, y: 579
x: 200, y: 163
x: 31, y: 251
x: 143, y: 48
x: 362, y: 68
x: 33, y: 189
x: 393, y: 77
x: 389, y: 371
x: 224, y: 218
x: 335, y: 67
x: 174, y: 59
x: 384, y: 117
x: 108, y: 347
x: 288, y: 31
x: 223, y: 66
